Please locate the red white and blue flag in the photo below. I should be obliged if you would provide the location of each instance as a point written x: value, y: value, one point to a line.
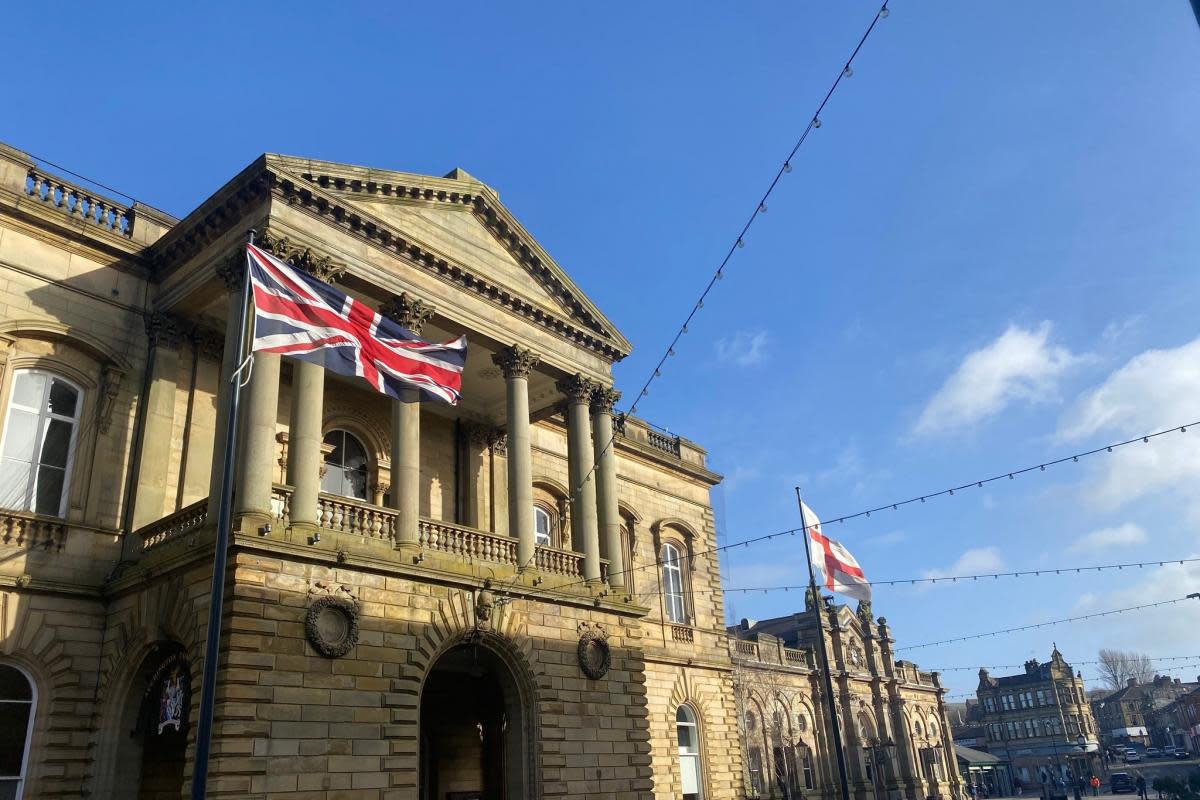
x: 297, y: 315
x: 842, y: 572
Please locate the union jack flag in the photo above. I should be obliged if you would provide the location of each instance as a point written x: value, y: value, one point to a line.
x: 299, y: 316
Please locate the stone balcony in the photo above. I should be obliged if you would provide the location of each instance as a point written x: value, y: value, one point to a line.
x: 769, y: 650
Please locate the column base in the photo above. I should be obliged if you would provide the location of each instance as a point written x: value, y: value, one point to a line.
x: 254, y: 522
x: 410, y: 552
x: 302, y: 532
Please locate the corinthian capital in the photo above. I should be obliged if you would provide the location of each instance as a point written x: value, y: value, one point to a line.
x: 407, y: 312
x: 604, y: 398
x: 515, y: 361
x: 162, y: 329
x: 319, y: 266
x: 577, y: 388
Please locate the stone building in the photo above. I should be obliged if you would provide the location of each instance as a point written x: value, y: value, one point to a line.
x: 1177, y: 724
x: 893, y: 716
x: 1127, y: 715
x: 1040, y: 721
x: 417, y: 603
x: 514, y: 597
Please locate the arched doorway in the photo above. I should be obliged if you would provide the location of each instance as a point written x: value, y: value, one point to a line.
x: 152, y: 749
x: 475, y: 728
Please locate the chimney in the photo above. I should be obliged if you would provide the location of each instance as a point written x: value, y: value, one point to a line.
x: 1131, y: 682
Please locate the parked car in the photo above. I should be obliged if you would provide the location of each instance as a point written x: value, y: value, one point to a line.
x: 1120, y: 782
x: 1182, y: 754
x: 1132, y: 757
x: 1153, y: 752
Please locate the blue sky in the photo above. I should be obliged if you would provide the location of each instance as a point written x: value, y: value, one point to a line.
x: 985, y: 258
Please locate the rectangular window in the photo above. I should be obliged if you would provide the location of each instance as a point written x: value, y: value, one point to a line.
x: 1008, y: 702
x: 989, y: 705
x: 1042, y: 698
x: 39, y: 443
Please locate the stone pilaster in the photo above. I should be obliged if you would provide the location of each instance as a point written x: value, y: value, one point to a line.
x: 406, y: 429
x: 517, y: 362
x: 581, y: 462
x: 260, y: 410
x: 231, y: 272
x: 163, y: 332
x: 603, y: 399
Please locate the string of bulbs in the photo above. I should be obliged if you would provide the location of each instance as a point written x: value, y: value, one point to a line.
x: 1045, y: 572
x: 1073, y: 663
x: 1085, y: 678
x: 1048, y: 623
x: 895, y: 506
x: 760, y: 208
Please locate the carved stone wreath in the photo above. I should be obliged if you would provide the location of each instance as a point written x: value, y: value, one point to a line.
x: 595, y: 656
x: 331, y: 625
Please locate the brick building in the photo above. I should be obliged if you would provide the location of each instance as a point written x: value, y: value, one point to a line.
x: 418, y: 604
x: 1040, y: 721
x: 1129, y: 714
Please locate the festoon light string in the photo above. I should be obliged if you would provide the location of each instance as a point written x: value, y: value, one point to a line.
x: 1073, y: 663
x: 1084, y: 678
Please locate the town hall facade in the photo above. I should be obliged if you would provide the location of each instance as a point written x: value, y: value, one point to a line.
x: 515, y: 597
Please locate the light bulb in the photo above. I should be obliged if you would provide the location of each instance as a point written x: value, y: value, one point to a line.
x: 883, y: 12
x: 847, y: 72
x: 762, y: 208
x: 741, y: 243
x: 787, y: 166
x: 816, y: 122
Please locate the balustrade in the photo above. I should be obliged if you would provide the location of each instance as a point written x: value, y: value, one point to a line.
x: 664, y: 442
x: 79, y: 203
x: 186, y: 520
x: 682, y: 633
x: 467, y: 542
x: 31, y: 531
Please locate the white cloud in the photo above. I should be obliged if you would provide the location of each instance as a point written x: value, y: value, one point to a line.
x: 1155, y: 390
x: 976, y: 561
x: 889, y: 538
x: 744, y: 348
x: 1106, y: 538
x: 1020, y: 365
x: 1116, y: 330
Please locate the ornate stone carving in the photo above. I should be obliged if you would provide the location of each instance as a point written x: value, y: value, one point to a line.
x: 485, y: 604
x: 331, y: 623
x: 319, y: 266
x: 499, y: 443
x: 593, y: 652
x: 162, y: 329
x: 407, y: 312
x: 110, y: 387
x: 577, y: 388
x: 232, y: 271
x: 209, y: 344
x: 478, y: 434
x: 516, y: 361
x: 864, y: 611
x: 604, y: 398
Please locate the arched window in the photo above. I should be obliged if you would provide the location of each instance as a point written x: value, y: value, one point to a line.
x: 39, y: 442
x: 541, y: 526
x: 17, y: 700
x: 345, y: 466
x: 672, y: 581
x: 689, y: 754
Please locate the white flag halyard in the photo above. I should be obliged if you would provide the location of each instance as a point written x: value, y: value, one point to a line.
x: 840, y: 569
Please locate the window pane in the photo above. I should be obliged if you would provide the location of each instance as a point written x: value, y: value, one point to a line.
x: 355, y: 454
x: 49, y: 491
x: 20, y: 436
x: 14, y: 685
x: 14, y: 484
x: 354, y: 483
x: 28, y: 389
x: 63, y: 399
x: 331, y: 481
x: 57, y: 443
x: 14, y: 724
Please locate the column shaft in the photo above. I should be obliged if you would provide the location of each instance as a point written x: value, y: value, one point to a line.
x: 229, y: 359
x: 516, y: 362
x: 252, y: 497
x: 406, y: 464
x: 304, y: 441
x: 585, y: 534
x: 606, y: 484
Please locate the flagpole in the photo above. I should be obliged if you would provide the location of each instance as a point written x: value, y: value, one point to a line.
x: 208, y: 687
x: 832, y: 702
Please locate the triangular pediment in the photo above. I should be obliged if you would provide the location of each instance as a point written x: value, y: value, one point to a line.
x: 460, y: 219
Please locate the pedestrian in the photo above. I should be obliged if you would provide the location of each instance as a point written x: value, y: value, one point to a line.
x: 1141, y: 786
x: 1095, y: 784
x: 1020, y: 789
x: 1079, y: 789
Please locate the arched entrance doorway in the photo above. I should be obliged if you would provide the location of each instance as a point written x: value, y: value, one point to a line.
x: 475, y: 731
x: 152, y: 737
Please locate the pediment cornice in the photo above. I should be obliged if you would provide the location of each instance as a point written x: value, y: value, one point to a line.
x: 265, y: 178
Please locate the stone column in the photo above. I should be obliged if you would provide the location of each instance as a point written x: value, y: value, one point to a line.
x: 475, y: 443
x: 231, y: 272
x: 304, y: 444
x: 581, y: 461
x: 260, y: 411
x: 157, y: 428
x: 603, y: 400
x: 516, y: 362
x: 412, y: 314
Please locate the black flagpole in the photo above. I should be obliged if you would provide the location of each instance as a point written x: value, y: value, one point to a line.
x: 208, y: 685
x: 831, y: 700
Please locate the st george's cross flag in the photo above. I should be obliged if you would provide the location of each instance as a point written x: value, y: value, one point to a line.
x: 842, y: 573
x: 299, y: 316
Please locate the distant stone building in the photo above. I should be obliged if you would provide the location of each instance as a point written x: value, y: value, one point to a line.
x: 1127, y: 715
x: 896, y: 735
x: 1040, y: 721
x: 1177, y: 724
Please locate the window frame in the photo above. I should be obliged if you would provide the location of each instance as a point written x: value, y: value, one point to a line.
x: 693, y: 722
x: 21, y: 779
x: 366, y: 468
x: 538, y: 509
x: 44, y: 416
x: 674, y: 565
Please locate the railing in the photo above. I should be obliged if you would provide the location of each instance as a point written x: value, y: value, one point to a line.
x: 466, y: 542
x: 554, y: 561
x: 682, y: 633
x: 741, y: 647
x: 797, y: 658
x: 664, y: 442
x: 355, y: 517
x: 21, y: 529
x: 184, y: 521
x: 925, y: 678
x: 79, y: 203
